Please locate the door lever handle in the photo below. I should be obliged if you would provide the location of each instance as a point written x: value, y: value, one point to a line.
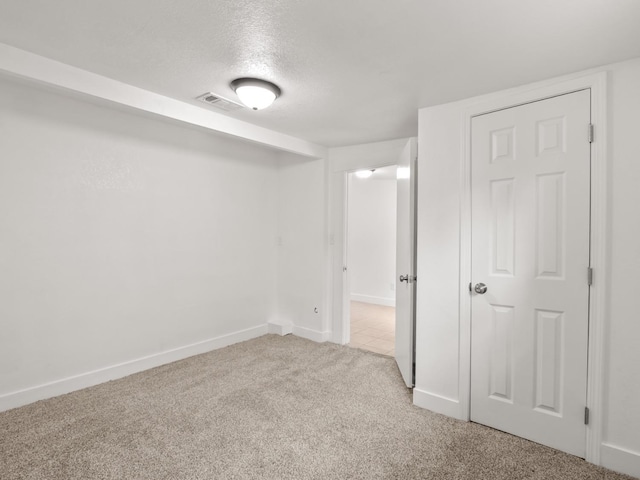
x: 408, y: 278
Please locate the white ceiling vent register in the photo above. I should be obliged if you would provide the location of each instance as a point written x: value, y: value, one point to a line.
x: 221, y: 103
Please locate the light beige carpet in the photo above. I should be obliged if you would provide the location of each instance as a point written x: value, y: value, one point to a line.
x: 270, y: 408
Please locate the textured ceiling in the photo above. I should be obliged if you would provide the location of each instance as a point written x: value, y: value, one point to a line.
x: 351, y: 71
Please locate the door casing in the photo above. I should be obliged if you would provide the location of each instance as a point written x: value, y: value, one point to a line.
x: 597, y: 83
x: 350, y: 159
x: 346, y: 290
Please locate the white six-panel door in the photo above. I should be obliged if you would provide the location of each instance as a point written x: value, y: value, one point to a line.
x: 530, y: 185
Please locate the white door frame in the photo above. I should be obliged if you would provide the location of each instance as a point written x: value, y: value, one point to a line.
x: 597, y: 82
x: 341, y: 294
x: 343, y: 160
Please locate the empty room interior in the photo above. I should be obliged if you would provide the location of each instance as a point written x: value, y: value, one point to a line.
x: 319, y: 240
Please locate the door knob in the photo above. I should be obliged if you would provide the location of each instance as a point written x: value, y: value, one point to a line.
x: 404, y: 278
x: 480, y: 288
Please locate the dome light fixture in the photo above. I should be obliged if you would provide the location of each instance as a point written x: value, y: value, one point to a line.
x: 365, y: 173
x: 254, y: 93
x: 403, y: 173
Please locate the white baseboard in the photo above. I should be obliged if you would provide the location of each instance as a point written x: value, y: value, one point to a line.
x: 437, y: 403
x: 310, y: 334
x: 386, y: 301
x: 620, y: 459
x: 279, y: 328
x: 112, y: 372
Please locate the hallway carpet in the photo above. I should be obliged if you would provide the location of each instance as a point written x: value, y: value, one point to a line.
x: 270, y: 408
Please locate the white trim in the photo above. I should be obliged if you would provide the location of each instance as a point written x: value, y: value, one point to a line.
x: 25, y: 65
x: 437, y: 403
x: 112, y: 372
x: 464, y: 340
x: 281, y: 329
x: 345, y: 313
x: 597, y: 82
x: 327, y: 267
x: 598, y: 293
x: 311, y: 334
x: 386, y: 301
x: 339, y: 303
x: 620, y: 459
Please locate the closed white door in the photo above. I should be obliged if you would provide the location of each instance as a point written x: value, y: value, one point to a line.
x: 530, y: 251
x: 405, y: 262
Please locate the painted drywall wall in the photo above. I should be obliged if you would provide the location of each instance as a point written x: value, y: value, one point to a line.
x: 367, y: 155
x: 371, y: 256
x: 123, y: 237
x: 438, y: 383
x: 90, y: 86
x: 302, y: 246
x: 437, y: 262
x: 622, y: 375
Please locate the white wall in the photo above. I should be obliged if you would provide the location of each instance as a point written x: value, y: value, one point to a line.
x: 371, y: 240
x: 438, y: 261
x: 622, y: 375
x: 302, y: 246
x: 439, y: 384
x: 90, y: 86
x: 123, y: 237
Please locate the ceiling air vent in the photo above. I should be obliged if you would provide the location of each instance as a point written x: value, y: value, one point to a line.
x: 216, y: 101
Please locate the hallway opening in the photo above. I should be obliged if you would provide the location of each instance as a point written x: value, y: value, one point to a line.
x: 371, y: 254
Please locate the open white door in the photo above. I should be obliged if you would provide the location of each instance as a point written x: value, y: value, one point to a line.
x: 405, y: 262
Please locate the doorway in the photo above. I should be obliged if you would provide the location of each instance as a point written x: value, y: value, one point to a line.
x: 371, y: 257
x: 402, y: 153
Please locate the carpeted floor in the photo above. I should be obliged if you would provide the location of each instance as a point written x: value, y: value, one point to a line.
x: 270, y: 408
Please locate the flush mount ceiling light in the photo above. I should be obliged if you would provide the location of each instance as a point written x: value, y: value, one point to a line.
x: 403, y: 172
x: 255, y: 93
x: 364, y: 173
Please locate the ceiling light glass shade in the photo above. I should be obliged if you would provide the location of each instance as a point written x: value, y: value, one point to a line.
x: 403, y: 172
x: 254, y: 93
x: 364, y: 173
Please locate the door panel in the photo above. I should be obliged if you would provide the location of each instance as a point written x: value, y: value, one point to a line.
x: 405, y: 262
x: 530, y: 184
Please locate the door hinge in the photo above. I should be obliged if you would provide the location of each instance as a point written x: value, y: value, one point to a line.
x: 591, y: 132
x: 586, y: 415
x: 589, y: 276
